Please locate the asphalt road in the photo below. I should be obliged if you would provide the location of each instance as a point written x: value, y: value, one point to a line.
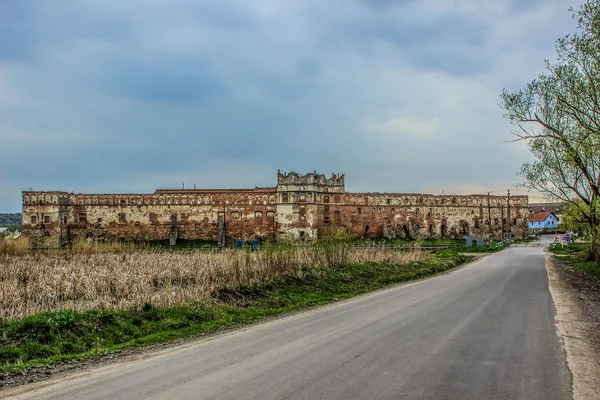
x: 486, y: 331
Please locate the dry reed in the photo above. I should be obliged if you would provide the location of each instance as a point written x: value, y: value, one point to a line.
x: 15, y: 247
x: 79, y: 280
x: 91, y: 246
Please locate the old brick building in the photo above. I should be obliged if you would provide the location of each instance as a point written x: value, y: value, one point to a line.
x: 301, y: 207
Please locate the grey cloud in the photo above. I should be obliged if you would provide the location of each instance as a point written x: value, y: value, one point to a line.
x: 162, y: 84
x: 31, y: 28
x: 382, y: 5
x: 306, y: 67
x: 518, y: 6
x: 452, y: 43
x: 103, y: 96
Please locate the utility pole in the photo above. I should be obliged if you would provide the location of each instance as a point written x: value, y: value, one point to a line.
x: 60, y: 229
x: 508, y: 214
x: 502, y: 225
x: 222, y: 235
x: 489, y: 221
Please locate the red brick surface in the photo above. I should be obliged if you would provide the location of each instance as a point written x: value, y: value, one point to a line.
x: 299, y: 207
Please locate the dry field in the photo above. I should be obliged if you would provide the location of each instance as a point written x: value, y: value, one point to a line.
x: 14, y: 247
x: 34, y: 282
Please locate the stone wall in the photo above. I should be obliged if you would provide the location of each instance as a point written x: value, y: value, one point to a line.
x: 425, y: 216
x: 300, y: 207
x: 194, y: 213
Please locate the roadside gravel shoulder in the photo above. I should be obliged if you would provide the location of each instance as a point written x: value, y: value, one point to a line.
x: 576, y: 297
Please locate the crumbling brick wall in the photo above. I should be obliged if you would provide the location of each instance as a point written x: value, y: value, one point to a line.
x: 300, y: 207
x: 311, y: 205
x: 425, y: 216
x: 248, y: 214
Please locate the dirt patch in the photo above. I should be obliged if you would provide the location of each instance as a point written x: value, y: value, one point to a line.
x: 576, y: 295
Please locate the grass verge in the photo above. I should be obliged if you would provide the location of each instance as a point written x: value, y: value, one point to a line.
x: 576, y: 254
x: 54, y: 337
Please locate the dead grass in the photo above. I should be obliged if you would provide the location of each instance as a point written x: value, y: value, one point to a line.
x: 22, y: 246
x: 387, y: 255
x: 95, y: 246
x: 18, y: 246
x: 83, y: 279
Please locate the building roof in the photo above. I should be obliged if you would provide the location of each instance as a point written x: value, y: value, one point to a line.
x: 540, y: 216
x: 548, y: 207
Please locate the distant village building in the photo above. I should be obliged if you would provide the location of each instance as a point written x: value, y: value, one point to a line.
x: 299, y: 207
x: 555, y: 208
x: 543, y: 220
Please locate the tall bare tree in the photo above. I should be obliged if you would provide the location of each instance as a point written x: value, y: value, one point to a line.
x: 558, y: 115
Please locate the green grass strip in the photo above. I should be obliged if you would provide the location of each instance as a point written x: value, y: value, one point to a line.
x: 576, y: 253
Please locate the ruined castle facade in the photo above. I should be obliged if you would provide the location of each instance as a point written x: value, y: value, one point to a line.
x: 300, y: 207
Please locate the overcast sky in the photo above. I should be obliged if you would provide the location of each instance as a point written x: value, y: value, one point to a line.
x: 130, y: 96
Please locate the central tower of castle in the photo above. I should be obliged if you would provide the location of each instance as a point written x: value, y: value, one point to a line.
x: 302, y: 199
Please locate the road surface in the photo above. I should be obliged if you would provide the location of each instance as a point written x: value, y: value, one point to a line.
x: 486, y: 331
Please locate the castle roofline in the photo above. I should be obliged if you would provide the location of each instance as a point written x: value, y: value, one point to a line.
x: 435, y: 195
x: 310, y: 178
x: 188, y: 191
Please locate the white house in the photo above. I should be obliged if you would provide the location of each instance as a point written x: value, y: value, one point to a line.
x: 543, y: 220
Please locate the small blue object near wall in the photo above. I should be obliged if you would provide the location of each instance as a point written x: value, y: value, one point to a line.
x: 254, y: 245
x: 469, y: 240
x: 239, y: 244
x: 480, y: 242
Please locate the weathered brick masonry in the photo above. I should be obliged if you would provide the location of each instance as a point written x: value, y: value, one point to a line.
x: 300, y: 207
